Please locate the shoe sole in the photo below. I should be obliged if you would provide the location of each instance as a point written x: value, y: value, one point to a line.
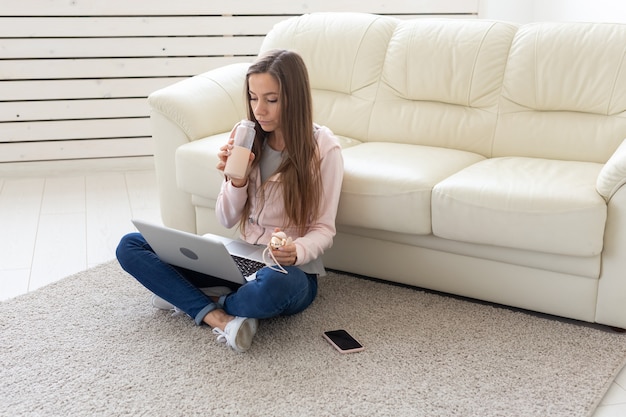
x: 244, y: 337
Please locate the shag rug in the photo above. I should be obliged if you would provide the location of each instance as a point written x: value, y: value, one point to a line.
x: 91, y: 345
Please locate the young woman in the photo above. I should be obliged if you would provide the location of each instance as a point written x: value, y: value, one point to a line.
x: 292, y: 185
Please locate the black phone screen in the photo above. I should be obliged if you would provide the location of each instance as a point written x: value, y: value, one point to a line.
x: 343, y: 340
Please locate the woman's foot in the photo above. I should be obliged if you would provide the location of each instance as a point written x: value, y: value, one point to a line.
x: 238, y: 333
x: 161, y: 304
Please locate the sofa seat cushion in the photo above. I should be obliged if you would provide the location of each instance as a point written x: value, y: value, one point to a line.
x: 526, y: 203
x: 196, y: 160
x: 387, y: 186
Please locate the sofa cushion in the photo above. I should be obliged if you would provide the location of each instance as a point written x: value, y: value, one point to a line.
x: 534, y: 204
x: 344, y: 54
x: 440, y: 84
x: 195, y: 162
x: 195, y: 166
x: 387, y: 186
x: 564, y: 96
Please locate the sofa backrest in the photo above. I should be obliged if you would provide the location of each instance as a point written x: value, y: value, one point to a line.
x: 549, y: 90
x: 422, y: 81
x: 344, y: 54
x: 564, y: 92
x: 441, y: 83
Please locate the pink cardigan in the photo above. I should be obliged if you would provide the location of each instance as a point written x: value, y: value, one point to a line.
x: 265, y: 217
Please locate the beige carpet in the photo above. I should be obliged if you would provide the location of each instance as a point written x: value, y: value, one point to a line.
x: 91, y: 345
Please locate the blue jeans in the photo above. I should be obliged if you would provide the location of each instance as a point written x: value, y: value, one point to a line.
x: 271, y: 294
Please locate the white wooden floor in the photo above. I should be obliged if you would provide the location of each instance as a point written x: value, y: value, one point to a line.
x: 54, y: 225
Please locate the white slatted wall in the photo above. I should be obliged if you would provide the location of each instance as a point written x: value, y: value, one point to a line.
x: 74, y: 75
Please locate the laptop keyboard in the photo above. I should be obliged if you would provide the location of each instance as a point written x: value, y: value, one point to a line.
x: 247, y: 266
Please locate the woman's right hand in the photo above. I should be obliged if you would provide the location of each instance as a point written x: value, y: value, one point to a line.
x: 224, y: 153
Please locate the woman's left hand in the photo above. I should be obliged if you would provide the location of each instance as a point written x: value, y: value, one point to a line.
x: 286, y: 255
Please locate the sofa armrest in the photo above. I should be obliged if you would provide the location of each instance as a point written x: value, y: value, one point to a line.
x: 205, y: 104
x: 191, y: 109
x: 613, y: 174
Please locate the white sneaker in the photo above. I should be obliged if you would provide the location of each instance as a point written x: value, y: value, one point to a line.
x: 161, y: 304
x: 238, y: 333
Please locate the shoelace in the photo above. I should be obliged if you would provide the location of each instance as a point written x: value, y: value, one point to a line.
x: 221, y: 335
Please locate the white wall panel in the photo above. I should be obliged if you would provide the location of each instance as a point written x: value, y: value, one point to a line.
x: 77, y: 149
x: 22, y: 91
x: 105, y: 68
x: 73, y: 109
x: 59, y: 130
x: 125, y: 47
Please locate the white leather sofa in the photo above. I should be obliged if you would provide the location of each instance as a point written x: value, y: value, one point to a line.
x: 481, y: 158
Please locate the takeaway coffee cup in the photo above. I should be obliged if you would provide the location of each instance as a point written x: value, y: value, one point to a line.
x: 237, y: 162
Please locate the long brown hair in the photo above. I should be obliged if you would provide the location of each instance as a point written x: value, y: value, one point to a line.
x: 300, y: 171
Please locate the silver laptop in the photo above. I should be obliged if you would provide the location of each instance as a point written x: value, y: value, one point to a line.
x: 232, y: 260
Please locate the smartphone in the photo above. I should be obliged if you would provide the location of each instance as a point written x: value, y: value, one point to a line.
x: 342, y: 341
